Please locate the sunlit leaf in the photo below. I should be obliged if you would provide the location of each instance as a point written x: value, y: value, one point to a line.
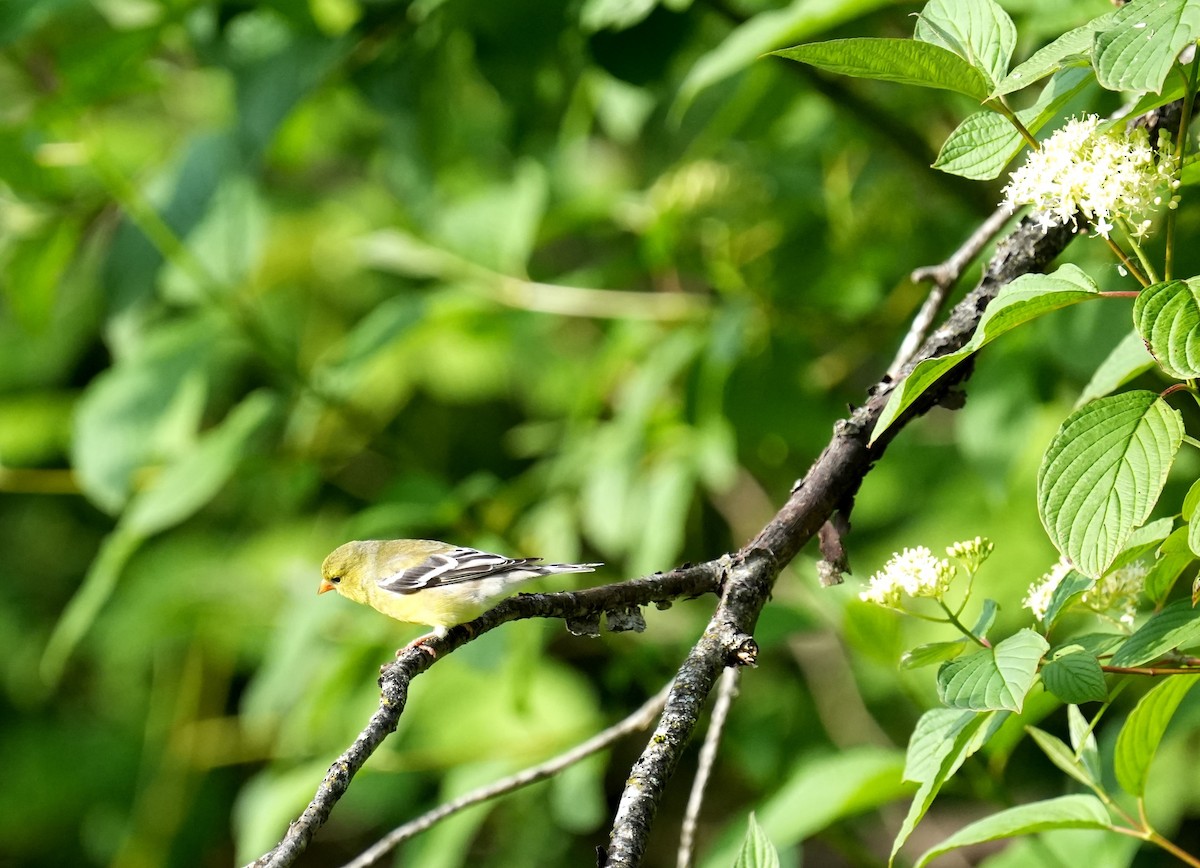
x: 1176, y: 626
x: 144, y: 408
x: 1139, y: 44
x: 765, y: 31
x: 1026, y: 298
x: 1167, y: 316
x: 1143, y: 731
x: 943, y: 740
x: 994, y: 678
x: 905, y: 61
x: 1174, y: 556
x: 1065, y: 812
x: 1102, y: 474
x: 934, y: 652
x: 757, y: 849
x: 1083, y: 741
x: 978, y: 31
x: 1060, y: 754
x: 1075, y: 676
x: 1072, y: 585
x: 986, y: 142
x: 189, y: 483
x: 1128, y: 359
x: 1072, y: 48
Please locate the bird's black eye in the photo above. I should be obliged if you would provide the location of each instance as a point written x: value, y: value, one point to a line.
x: 336, y: 580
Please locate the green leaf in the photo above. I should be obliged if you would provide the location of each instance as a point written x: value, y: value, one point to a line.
x: 994, y: 678
x: 1128, y: 359
x: 982, y: 145
x: 1167, y: 316
x: 931, y: 739
x: 1065, y: 812
x: 1102, y: 475
x: 1176, y: 626
x: 1190, y: 504
x: 1083, y: 741
x: 941, y: 742
x: 146, y: 407
x: 1061, y: 755
x: 1145, y: 541
x: 1139, y: 45
x: 987, y: 617
x: 614, y: 14
x: 749, y: 41
x: 187, y: 484
x: 821, y: 790
x: 85, y: 604
x: 176, y: 493
x: 1191, y: 500
x: 1143, y: 731
x: 978, y: 31
x: 1175, y: 556
x: 1098, y: 644
x: 934, y: 652
x: 1072, y: 48
x: 1072, y: 585
x: 905, y: 61
x: 1025, y: 299
x: 757, y: 849
x: 1075, y: 676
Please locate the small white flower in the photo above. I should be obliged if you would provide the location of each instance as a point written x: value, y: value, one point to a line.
x: 1099, y: 176
x: 915, y: 572
x: 1037, y: 600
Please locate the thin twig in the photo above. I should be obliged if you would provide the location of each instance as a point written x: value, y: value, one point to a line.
x: 640, y: 719
x: 943, y: 277
x: 726, y: 692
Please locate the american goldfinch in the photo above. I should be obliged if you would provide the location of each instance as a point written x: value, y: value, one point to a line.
x: 424, y: 581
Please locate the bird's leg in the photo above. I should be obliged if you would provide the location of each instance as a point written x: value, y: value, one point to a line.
x: 422, y: 642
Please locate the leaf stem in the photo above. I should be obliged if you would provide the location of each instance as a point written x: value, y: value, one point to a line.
x: 1126, y: 261
x: 1147, y: 265
x: 1000, y: 106
x: 983, y: 643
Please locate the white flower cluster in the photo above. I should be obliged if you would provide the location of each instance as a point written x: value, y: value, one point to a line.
x: 1040, y: 592
x: 1101, y: 176
x: 1116, y: 593
x: 915, y: 572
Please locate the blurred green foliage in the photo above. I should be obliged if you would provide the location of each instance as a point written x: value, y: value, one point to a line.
x: 580, y: 280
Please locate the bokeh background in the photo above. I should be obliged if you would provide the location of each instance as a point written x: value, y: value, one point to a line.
x: 583, y: 280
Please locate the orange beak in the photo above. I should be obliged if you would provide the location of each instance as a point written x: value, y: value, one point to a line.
x: 325, y: 585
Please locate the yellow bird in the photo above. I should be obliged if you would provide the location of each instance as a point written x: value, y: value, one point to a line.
x: 423, y: 581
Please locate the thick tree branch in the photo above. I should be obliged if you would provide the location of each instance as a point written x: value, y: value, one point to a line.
x: 834, y: 478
